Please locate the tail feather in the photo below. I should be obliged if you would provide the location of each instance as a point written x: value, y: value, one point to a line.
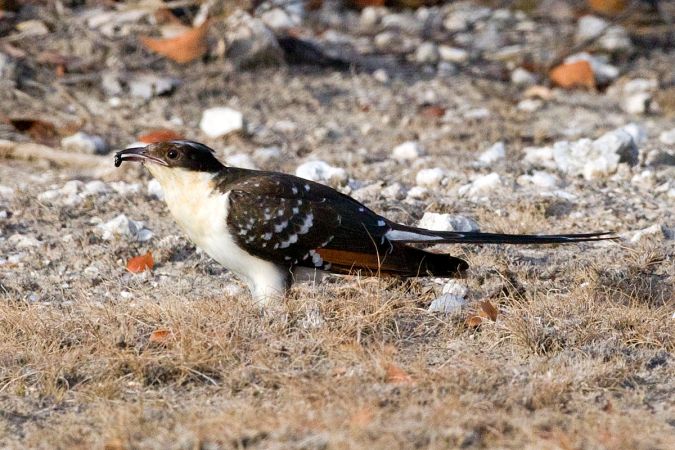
x: 420, y: 235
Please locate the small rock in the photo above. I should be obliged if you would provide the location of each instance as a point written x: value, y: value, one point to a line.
x: 124, y: 188
x: 530, y: 105
x: 23, y: 241
x: 666, y: 137
x: 371, y: 16
x: 540, y: 157
x: 250, y: 42
x: 95, y: 187
x: 477, y: 114
x: 614, y: 38
x: 368, y: 193
x: 589, y: 27
x: 111, y: 84
x: 493, y: 154
x: 447, y: 222
x: 658, y: 231
x: 155, y: 189
x: 394, y: 192
x: 447, y: 304
x: 241, y: 160
x: 124, y: 227
x: 85, y: 143
x: 645, y: 179
x: 381, y: 75
x: 278, y: 20
x: 267, y: 154
x: 481, y: 185
x: 407, y: 151
x: 430, y: 177
x: 454, y: 287
x: 149, y: 85
x: 639, y: 103
x: 427, y: 53
x: 522, y: 77
x: 220, y: 121
x: 637, y: 132
x: 322, y: 172
x: 6, y: 192
x: 417, y: 193
x: 540, y: 179
x: 453, y: 54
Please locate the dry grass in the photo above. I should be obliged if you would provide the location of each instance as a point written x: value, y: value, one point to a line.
x: 583, y: 368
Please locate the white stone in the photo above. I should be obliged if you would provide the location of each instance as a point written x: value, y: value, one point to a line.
x: 447, y: 222
x: 493, y: 154
x: 417, y: 193
x: 637, y: 85
x: 122, y: 226
x: 447, y: 304
x: 589, y: 27
x: 645, y: 179
x: 638, y: 103
x: 277, y: 19
x: 522, y: 77
x: 148, y: 85
x: 267, y: 154
x: 124, y: 188
x: 616, y: 39
x: 84, y: 143
x: 540, y: 157
x: 155, y: 189
x: 427, y: 53
x: 430, y: 177
x: 220, y: 121
x: 656, y: 230
x: 95, y: 187
x: 407, y: 151
x: 666, y: 137
x: 394, y: 192
x: 6, y: 192
x: 540, y: 179
x: 481, y: 185
x: 530, y: 105
x: 637, y: 132
x: 455, y: 287
x: 241, y: 160
x: 453, y: 54
x: 322, y: 172
x: 23, y: 241
x: 381, y: 75
x: 477, y: 114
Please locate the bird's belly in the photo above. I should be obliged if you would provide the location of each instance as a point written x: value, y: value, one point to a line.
x: 205, y: 223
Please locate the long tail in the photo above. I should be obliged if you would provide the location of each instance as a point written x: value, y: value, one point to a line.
x: 402, y: 233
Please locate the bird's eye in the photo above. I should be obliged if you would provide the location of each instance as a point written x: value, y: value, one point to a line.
x: 173, y: 154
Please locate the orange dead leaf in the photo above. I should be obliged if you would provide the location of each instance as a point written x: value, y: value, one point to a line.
x: 488, y: 310
x: 432, y: 111
x: 159, y: 135
x: 397, y: 375
x: 160, y: 336
x: 474, y: 321
x: 607, y: 6
x: 141, y: 263
x: 182, y: 49
x: 574, y: 74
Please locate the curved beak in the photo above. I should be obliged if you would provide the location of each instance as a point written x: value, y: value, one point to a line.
x: 139, y: 154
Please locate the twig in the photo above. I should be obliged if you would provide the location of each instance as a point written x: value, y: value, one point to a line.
x: 30, y: 151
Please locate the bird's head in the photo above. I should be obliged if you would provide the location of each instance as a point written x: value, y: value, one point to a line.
x: 172, y: 156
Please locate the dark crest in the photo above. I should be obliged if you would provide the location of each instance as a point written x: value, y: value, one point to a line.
x: 186, y: 154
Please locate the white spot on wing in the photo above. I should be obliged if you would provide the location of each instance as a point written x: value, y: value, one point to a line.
x: 294, y: 190
x: 279, y: 227
x: 307, y: 224
x: 397, y: 235
x: 381, y: 223
x: 307, y: 187
x: 267, y: 236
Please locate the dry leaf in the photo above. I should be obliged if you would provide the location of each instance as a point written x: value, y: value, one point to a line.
x: 160, y: 336
x: 474, y: 321
x: 489, y: 310
x: 39, y: 130
x: 607, y: 6
x: 397, y: 375
x: 182, y: 49
x: 432, y: 111
x: 575, y: 74
x: 159, y: 135
x: 141, y: 263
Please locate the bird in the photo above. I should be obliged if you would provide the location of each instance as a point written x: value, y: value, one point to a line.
x: 270, y: 228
